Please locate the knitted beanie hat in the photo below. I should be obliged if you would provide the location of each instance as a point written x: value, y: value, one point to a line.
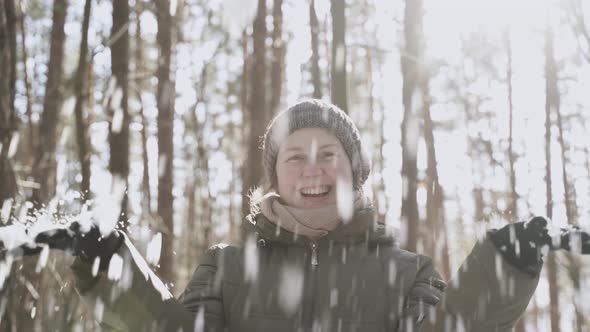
x: 315, y: 113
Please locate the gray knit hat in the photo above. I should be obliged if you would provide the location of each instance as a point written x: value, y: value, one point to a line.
x: 315, y: 113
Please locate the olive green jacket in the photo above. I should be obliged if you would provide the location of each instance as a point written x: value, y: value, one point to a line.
x: 354, y: 279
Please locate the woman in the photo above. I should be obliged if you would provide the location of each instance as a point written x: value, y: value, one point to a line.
x: 313, y: 263
x: 314, y: 258
x: 317, y: 263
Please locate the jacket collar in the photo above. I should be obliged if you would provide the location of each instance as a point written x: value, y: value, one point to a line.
x: 362, y: 228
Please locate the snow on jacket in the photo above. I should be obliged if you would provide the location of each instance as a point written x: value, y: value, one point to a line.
x: 354, y: 279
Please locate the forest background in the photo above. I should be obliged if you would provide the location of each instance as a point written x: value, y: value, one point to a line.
x: 150, y: 114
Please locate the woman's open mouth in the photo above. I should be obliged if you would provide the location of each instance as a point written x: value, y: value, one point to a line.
x: 315, y: 192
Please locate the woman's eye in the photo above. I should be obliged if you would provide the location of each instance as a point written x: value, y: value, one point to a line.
x: 295, y: 158
x: 327, y: 155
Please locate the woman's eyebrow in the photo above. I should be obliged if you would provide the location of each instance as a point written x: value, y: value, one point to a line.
x: 293, y: 149
x: 327, y: 146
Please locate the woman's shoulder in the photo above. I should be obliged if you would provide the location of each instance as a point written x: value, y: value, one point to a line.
x: 404, y: 260
x: 221, y: 253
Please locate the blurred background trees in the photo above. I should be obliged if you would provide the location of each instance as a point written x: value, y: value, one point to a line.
x: 473, y: 112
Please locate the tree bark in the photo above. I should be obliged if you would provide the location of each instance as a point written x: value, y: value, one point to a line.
x: 438, y: 240
x: 119, y: 113
x: 513, y: 205
x: 27, y: 81
x: 278, y: 51
x: 569, y: 202
x: 410, y: 63
x: 81, y: 84
x: 339, y: 83
x: 512, y: 212
x: 147, y: 197
x: 8, y: 118
x: 44, y: 166
x: 316, y: 76
x: 551, y: 103
x: 256, y: 107
x: 165, y: 100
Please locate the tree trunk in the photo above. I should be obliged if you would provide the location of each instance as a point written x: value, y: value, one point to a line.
x: 339, y: 83
x: 147, y: 197
x: 204, y: 223
x: 44, y: 166
x: 278, y: 51
x: 256, y: 107
x: 513, y: 205
x: 165, y: 100
x: 438, y: 240
x: 244, y: 91
x: 512, y: 213
x: 80, y: 86
x: 27, y: 81
x: 13, y: 292
x: 118, y: 111
x: 8, y: 119
x: 410, y: 62
x: 570, y: 208
x: 551, y: 103
x: 316, y: 76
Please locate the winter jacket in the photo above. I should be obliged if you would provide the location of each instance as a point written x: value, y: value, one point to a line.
x: 354, y: 279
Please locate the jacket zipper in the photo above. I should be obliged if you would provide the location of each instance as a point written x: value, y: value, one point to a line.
x: 314, y: 254
x: 312, y: 276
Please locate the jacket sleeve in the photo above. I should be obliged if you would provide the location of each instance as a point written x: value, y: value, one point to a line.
x: 130, y: 297
x: 204, y: 293
x: 486, y: 294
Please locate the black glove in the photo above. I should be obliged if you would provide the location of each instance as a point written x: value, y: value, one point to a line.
x: 574, y: 240
x: 521, y: 244
x: 86, y: 245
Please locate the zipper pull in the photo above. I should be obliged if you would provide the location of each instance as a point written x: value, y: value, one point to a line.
x: 314, y: 254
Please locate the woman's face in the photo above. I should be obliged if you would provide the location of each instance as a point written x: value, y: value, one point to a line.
x: 310, y: 164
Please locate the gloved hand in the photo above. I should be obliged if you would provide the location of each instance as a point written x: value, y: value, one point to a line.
x: 572, y: 239
x: 86, y: 244
x: 521, y: 244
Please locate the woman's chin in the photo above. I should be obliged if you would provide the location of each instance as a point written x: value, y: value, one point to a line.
x: 314, y: 201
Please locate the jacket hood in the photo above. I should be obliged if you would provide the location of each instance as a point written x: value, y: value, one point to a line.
x: 362, y: 228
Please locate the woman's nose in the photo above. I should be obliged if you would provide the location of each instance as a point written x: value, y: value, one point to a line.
x: 312, y: 169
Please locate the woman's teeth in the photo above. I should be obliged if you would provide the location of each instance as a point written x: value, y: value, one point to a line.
x: 315, y: 191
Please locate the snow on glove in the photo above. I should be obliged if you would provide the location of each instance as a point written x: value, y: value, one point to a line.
x: 87, y: 244
x: 521, y: 244
x: 572, y: 239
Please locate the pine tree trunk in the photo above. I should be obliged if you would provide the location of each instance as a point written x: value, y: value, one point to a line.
x: 27, y: 82
x: 316, y: 76
x: 8, y: 118
x: 512, y: 213
x: 256, y: 107
x: 165, y: 100
x: 119, y: 114
x: 551, y: 102
x: 44, y: 166
x: 147, y: 197
x: 513, y: 206
x: 278, y: 51
x: 13, y: 292
x: 438, y: 240
x: 339, y: 83
x: 570, y: 208
x: 81, y: 87
x: 410, y: 72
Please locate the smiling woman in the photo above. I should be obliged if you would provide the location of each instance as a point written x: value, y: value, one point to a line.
x: 310, y: 163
